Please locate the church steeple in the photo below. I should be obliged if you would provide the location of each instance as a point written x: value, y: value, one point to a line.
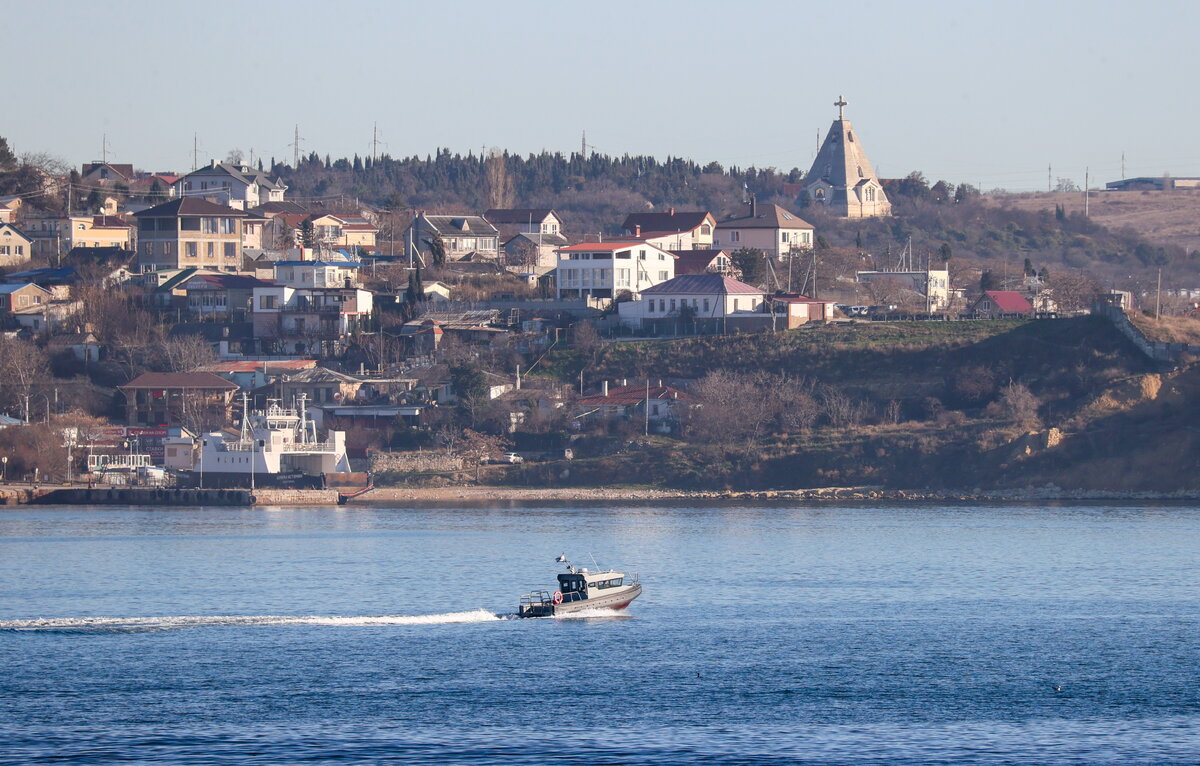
x: 841, y: 176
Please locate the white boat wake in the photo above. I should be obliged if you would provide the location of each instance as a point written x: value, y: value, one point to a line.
x: 150, y: 624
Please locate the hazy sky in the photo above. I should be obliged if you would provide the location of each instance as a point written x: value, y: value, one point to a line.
x: 983, y: 92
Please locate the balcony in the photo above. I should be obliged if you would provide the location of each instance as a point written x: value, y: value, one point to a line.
x: 307, y: 307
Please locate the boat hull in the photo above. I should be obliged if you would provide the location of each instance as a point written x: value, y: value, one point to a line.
x: 620, y: 599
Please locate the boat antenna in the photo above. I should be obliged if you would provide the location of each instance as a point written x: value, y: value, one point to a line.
x: 593, y: 558
x: 562, y: 559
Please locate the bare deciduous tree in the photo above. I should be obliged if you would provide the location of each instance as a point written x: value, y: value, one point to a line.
x: 1020, y: 405
x: 23, y: 366
x: 186, y: 353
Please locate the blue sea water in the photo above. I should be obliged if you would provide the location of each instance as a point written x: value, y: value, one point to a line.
x: 769, y: 634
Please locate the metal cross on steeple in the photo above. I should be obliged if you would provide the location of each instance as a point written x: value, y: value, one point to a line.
x: 840, y: 103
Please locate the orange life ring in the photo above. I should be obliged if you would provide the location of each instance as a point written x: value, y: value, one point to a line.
x: 558, y: 596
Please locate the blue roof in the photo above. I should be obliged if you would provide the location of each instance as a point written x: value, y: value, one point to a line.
x: 7, y: 289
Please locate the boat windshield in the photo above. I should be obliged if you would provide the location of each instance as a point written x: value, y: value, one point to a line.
x: 570, y: 583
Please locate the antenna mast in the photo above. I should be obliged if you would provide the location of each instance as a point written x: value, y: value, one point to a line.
x: 374, y: 142
x: 296, y: 148
x: 195, y: 151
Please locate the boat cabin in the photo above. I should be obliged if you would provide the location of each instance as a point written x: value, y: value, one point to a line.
x: 584, y: 584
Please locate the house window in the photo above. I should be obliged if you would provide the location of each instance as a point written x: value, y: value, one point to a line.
x: 735, y: 236
x: 735, y: 304
x: 672, y: 304
x: 651, y: 306
x: 705, y: 230
x: 230, y: 249
x: 189, y: 223
x: 266, y: 301
x: 783, y: 236
x: 192, y: 250
x: 662, y: 276
x: 212, y: 249
x: 706, y: 307
x: 870, y: 194
x: 860, y: 173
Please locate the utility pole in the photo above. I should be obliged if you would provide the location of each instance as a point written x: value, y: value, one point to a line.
x: 583, y: 146
x: 195, y: 151
x: 1158, y: 298
x: 104, y: 148
x: 646, y: 429
x: 1048, y: 174
x: 1086, y: 190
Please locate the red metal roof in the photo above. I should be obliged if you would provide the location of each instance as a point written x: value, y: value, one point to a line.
x: 1009, y: 301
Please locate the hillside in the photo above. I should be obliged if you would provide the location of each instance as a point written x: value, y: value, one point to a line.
x: 1163, y: 217
x: 1102, y: 417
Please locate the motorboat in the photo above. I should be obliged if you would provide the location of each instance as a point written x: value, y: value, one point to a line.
x: 581, y: 590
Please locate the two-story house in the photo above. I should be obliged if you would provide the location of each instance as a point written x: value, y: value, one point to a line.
x: 313, y: 307
x: 768, y: 228
x: 15, y: 247
x: 238, y: 186
x: 190, y: 232
x: 463, y: 237
x: 672, y: 230
x: 340, y: 230
x: 54, y: 236
x: 532, y: 254
x: 605, y: 269
x: 524, y: 220
x: 100, y: 173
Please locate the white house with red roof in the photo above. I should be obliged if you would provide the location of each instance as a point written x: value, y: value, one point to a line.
x: 1001, y: 304
x: 695, y: 297
x: 605, y: 269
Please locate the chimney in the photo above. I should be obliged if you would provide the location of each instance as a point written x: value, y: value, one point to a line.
x: 672, y: 212
x: 637, y: 230
x: 753, y: 206
x: 604, y: 388
x: 624, y: 381
x: 214, y: 163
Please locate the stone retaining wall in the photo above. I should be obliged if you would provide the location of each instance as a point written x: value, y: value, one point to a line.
x: 414, y: 462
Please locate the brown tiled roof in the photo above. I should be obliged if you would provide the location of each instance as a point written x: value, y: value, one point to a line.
x: 179, y: 380
x: 672, y: 221
x: 765, y: 217
x: 190, y: 206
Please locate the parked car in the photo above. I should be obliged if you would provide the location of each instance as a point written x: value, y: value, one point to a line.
x: 512, y: 457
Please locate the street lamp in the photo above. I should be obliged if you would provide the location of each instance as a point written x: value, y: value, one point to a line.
x: 4, y: 469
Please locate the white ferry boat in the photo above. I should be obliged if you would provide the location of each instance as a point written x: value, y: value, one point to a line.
x: 277, y: 446
x: 580, y: 590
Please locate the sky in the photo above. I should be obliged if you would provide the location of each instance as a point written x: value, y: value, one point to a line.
x: 997, y: 94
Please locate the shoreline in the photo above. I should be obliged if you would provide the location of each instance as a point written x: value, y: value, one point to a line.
x: 598, y: 494
x: 11, y: 496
